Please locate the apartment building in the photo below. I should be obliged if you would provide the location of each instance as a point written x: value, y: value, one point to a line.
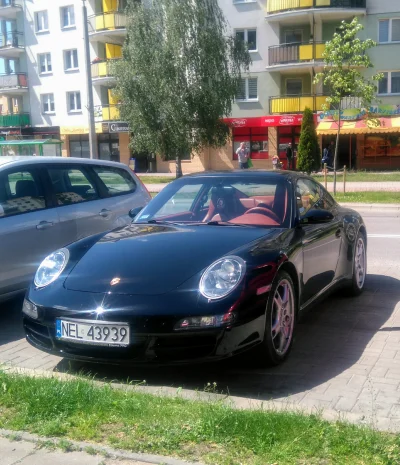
x: 43, y: 79
x: 286, y: 40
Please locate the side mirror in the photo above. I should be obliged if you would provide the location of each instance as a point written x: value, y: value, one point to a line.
x: 135, y: 212
x: 316, y: 216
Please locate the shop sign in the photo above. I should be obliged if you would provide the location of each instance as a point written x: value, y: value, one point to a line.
x: 265, y: 121
x: 357, y: 113
x: 114, y: 127
x: 11, y: 132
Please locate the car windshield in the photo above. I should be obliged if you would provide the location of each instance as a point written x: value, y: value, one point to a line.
x: 255, y: 201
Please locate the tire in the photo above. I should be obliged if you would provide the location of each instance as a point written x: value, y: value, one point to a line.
x: 277, y: 342
x: 357, y: 283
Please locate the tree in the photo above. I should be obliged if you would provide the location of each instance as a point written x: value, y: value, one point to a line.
x: 345, y: 58
x: 309, y: 153
x: 178, y: 77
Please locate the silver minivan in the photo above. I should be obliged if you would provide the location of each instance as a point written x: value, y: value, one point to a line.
x: 47, y: 203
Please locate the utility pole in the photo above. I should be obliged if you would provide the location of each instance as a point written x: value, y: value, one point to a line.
x: 89, y: 86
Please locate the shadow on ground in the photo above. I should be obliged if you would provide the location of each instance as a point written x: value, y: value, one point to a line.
x: 11, y: 321
x: 331, y: 339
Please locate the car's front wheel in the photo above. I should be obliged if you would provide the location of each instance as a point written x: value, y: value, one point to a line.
x: 280, y: 322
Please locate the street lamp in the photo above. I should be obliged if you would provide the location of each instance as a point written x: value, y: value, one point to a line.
x: 89, y: 86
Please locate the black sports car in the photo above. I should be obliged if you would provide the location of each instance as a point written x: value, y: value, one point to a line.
x: 216, y: 264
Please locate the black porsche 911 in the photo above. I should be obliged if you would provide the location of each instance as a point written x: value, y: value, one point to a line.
x: 215, y: 265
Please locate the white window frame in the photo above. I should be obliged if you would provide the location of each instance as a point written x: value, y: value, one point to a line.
x: 246, y: 32
x: 70, y: 8
x: 390, y: 41
x: 389, y: 73
x: 41, y: 14
x: 74, y: 110
x: 247, y: 99
x: 46, y: 56
x: 74, y: 68
x: 49, y: 99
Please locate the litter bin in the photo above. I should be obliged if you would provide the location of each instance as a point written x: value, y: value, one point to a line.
x: 132, y: 164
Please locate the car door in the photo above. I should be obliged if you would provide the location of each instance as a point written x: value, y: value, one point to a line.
x: 321, y: 242
x: 27, y: 226
x: 78, y: 200
x: 122, y: 192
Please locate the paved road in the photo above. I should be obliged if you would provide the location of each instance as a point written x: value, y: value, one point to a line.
x: 346, y: 355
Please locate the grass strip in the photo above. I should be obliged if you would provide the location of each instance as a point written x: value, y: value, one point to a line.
x: 208, y: 431
x: 368, y: 197
x: 361, y: 177
x: 156, y: 179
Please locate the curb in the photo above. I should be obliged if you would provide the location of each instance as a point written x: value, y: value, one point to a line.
x: 384, y: 424
x: 81, y: 446
x: 373, y: 206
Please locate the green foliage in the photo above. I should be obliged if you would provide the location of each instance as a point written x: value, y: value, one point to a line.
x: 179, y: 75
x: 309, y: 153
x: 346, y: 59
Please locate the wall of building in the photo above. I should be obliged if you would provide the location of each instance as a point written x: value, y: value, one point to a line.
x: 58, y: 82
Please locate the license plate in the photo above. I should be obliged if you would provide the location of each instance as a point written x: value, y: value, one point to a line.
x: 98, y: 333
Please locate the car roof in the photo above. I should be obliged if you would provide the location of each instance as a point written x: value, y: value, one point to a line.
x: 7, y: 162
x: 249, y: 174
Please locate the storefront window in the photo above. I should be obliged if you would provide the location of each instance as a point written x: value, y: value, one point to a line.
x: 108, y: 147
x: 387, y: 145
x: 79, y: 146
x: 256, y: 140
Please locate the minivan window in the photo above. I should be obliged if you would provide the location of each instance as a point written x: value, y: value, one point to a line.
x: 116, y: 180
x: 20, y: 192
x: 71, y: 185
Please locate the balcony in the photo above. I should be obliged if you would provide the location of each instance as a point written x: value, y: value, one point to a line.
x: 8, y: 120
x: 106, y: 26
x: 102, y: 72
x: 284, y: 55
x: 13, y: 84
x: 10, y: 8
x: 278, y: 10
x: 106, y: 113
x: 296, y: 103
x: 12, y: 44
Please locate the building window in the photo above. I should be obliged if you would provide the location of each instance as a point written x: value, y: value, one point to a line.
x: 294, y: 86
x: 48, y: 103
x: 67, y: 17
x: 41, y: 21
x: 108, y: 147
x: 74, y: 101
x: 390, y: 84
x: 44, y: 60
x: 249, y: 36
x: 248, y: 90
x: 389, y: 30
x: 294, y: 36
x: 71, y: 60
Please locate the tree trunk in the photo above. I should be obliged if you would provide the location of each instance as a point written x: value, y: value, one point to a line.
x: 178, y: 167
x: 336, y: 152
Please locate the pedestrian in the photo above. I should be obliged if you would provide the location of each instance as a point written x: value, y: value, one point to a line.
x: 289, y: 156
x: 325, y: 156
x: 243, y: 156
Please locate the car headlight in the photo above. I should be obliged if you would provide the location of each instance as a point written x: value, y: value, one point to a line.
x: 204, y: 322
x: 51, y: 268
x: 222, y: 277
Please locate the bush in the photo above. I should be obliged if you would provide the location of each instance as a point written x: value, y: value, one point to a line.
x: 309, y: 152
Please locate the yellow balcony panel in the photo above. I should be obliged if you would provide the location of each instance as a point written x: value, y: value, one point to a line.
x: 113, y: 51
x: 285, y: 105
x: 276, y: 6
x: 306, y: 52
x: 320, y: 3
x: 319, y: 50
x: 103, y: 69
x: 319, y: 101
x: 306, y: 102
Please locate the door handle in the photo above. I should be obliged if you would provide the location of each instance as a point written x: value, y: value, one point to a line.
x: 104, y: 213
x: 44, y: 225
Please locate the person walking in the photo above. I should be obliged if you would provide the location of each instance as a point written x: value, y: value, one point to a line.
x: 243, y: 156
x: 289, y: 156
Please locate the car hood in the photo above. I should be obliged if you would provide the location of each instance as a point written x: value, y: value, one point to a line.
x: 146, y: 259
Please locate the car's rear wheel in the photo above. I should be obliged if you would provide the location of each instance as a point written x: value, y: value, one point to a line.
x: 280, y: 322
x: 356, y: 286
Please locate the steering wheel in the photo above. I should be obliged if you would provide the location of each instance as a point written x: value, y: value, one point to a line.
x: 264, y: 211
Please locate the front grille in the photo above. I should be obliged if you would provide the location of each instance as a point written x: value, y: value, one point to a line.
x: 38, y: 333
x: 184, y: 347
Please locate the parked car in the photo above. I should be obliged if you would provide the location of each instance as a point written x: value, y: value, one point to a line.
x: 47, y: 203
x: 215, y: 265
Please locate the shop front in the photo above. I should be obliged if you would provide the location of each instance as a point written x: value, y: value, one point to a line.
x: 365, y: 144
